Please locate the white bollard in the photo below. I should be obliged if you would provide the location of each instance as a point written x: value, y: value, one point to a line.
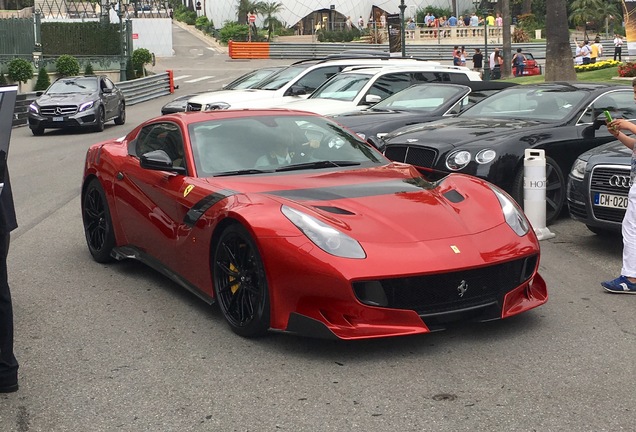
x: 534, y: 183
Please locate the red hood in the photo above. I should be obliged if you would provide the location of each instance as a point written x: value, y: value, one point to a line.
x: 390, y: 204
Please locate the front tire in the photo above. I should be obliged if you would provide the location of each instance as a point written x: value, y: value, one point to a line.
x: 101, y: 119
x: 98, y: 226
x: 240, y: 283
x: 37, y: 131
x: 554, y: 190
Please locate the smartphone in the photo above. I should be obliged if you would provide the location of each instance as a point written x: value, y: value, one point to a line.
x: 608, y: 116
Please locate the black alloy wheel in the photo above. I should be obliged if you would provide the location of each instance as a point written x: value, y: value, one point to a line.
x: 98, y: 227
x: 121, y: 118
x: 554, y: 190
x: 101, y: 119
x: 240, y: 283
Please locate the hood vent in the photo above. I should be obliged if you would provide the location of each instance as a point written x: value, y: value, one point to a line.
x: 454, y: 196
x: 335, y: 210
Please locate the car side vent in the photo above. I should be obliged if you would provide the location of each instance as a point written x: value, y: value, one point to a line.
x: 335, y: 210
x: 453, y: 196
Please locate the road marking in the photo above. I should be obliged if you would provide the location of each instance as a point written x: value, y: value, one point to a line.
x: 199, y: 79
x: 180, y: 77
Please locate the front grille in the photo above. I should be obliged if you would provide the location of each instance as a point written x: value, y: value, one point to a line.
x: 62, y: 110
x: 600, y: 182
x: 440, y: 293
x: 414, y: 155
x: 193, y: 107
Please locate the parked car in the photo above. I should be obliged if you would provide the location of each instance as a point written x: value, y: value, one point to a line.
x: 489, y: 139
x: 531, y: 67
x: 247, y: 80
x: 326, y: 241
x: 359, y: 87
x: 598, y: 185
x: 292, y: 83
x: 419, y: 103
x: 79, y: 101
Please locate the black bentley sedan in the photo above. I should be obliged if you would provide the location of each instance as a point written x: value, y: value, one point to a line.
x: 418, y: 103
x: 489, y: 139
x: 598, y: 185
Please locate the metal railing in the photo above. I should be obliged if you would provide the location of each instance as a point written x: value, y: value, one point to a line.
x: 146, y: 88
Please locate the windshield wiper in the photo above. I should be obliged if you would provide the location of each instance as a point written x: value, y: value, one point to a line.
x: 242, y: 172
x: 318, y: 164
x: 75, y: 84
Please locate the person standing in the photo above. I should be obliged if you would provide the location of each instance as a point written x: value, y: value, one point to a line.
x: 478, y: 61
x: 360, y: 22
x: 8, y: 362
x: 618, y: 46
x: 626, y: 282
x: 499, y: 20
x: 596, y: 49
x: 518, y: 62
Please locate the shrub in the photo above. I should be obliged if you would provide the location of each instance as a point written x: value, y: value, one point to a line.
x: 186, y: 15
x: 3, y: 80
x: 201, y: 23
x: 88, y: 70
x: 43, y: 81
x: 520, y: 35
x: 20, y: 70
x: 140, y: 58
x: 67, y: 65
x: 233, y: 31
x: 626, y: 70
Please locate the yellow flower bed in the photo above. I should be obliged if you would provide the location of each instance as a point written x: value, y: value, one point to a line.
x: 604, y: 64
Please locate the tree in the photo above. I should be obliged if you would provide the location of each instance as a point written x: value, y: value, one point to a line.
x: 67, y: 65
x: 20, y: 71
x: 43, y: 81
x: 559, y: 65
x: 608, y: 10
x: 244, y: 7
x: 140, y: 58
x: 584, y: 11
x: 506, y: 69
x: 269, y: 10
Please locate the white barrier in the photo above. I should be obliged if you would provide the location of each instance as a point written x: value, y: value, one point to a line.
x: 534, y: 183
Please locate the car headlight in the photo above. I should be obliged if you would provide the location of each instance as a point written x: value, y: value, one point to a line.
x: 86, y: 105
x: 485, y: 156
x: 512, y: 213
x: 578, y: 169
x: 324, y: 236
x: 458, y: 160
x: 217, y: 106
x: 34, y: 108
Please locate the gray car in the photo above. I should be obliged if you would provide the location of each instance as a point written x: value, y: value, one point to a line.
x: 80, y: 101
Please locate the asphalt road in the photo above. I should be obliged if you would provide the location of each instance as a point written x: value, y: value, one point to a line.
x: 120, y: 348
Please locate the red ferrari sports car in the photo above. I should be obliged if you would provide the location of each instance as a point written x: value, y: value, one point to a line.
x: 292, y: 223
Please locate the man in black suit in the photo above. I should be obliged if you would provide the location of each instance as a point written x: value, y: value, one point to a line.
x: 8, y: 362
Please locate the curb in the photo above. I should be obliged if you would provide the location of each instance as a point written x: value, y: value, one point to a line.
x: 209, y: 40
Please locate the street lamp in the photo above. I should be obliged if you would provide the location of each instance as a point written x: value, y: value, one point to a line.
x: 122, y: 38
x: 477, y: 3
x: 402, y: 32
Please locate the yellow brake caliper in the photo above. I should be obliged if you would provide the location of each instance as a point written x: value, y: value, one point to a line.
x: 235, y: 286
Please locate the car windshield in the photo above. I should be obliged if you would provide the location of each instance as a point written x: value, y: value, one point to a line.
x: 426, y: 97
x: 275, y: 143
x: 529, y: 103
x: 342, y: 87
x: 251, y: 78
x: 280, y: 78
x: 75, y: 85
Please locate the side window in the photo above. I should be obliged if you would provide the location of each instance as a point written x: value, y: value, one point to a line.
x: 390, y: 84
x: 161, y: 136
x: 619, y: 103
x: 108, y: 83
x: 102, y: 84
x: 316, y: 77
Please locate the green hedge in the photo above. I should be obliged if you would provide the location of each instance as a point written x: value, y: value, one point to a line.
x: 87, y: 38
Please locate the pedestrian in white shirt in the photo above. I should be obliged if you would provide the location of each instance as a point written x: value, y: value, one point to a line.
x: 618, y: 46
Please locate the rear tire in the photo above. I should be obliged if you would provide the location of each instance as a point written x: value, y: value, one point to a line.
x: 554, y: 190
x: 121, y: 118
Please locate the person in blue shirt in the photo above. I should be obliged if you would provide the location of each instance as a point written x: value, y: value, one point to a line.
x: 452, y: 21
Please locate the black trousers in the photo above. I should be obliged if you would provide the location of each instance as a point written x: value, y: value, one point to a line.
x: 617, y: 53
x: 8, y: 362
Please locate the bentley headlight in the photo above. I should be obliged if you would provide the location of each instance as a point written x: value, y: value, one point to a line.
x: 458, y: 160
x: 324, y: 236
x: 485, y: 156
x: 513, y: 215
x: 578, y: 169
x: 216, y: 106
x: 34, y: 108
x: 86, y: 105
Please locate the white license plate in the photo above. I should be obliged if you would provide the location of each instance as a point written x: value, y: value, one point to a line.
x: 608, y: 200
x: 58, y: 118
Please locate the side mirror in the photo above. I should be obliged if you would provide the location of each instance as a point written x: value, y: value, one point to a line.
x: 159, y: 160
x: 297, y: 90
x: 371, y: 99
x: 107, y: 90
x: 377, y: 143
x: 39, y: 93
